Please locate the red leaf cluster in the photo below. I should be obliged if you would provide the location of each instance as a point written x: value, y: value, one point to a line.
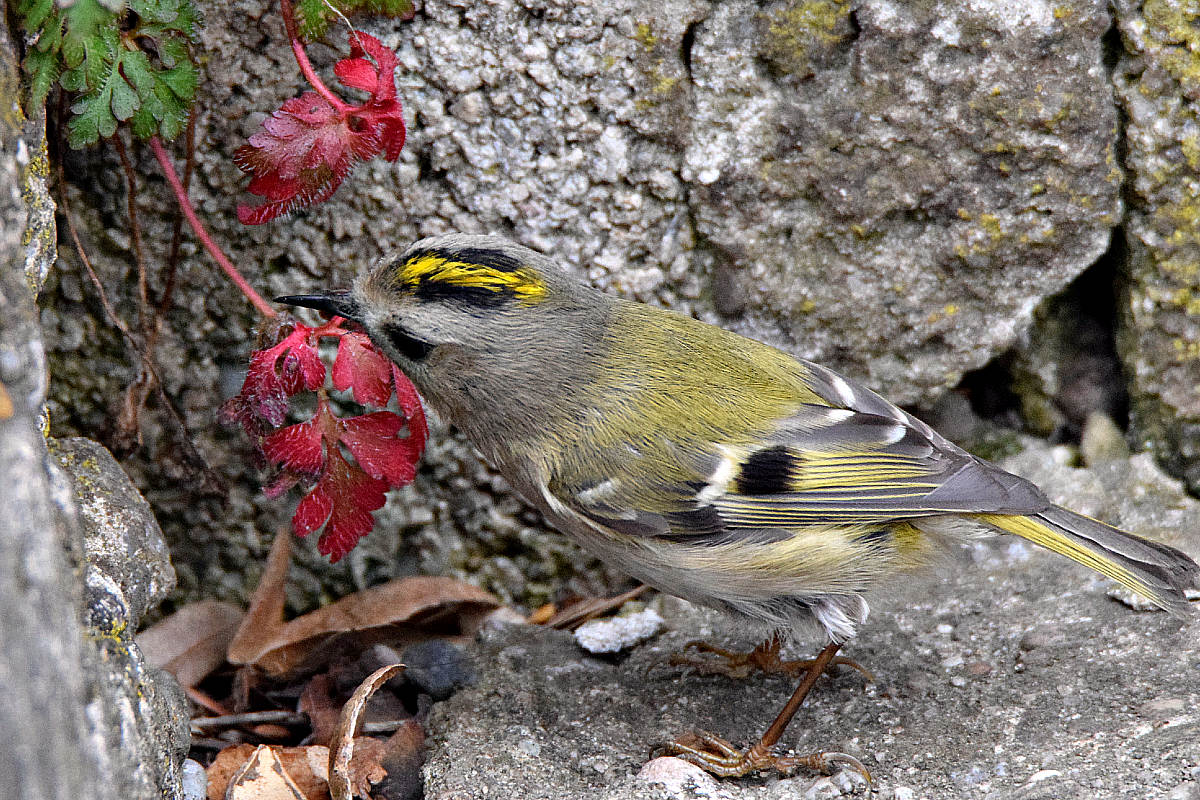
x: 306, y: 149
x: 347, y: 463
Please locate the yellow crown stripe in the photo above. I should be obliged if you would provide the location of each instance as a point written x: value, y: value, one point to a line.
x: 432, y: 268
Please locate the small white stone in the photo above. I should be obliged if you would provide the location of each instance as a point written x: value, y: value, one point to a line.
x: 678, y: 777
x: 617, y: 633
x: 194, y: 780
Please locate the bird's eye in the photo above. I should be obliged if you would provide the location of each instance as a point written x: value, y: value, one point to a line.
x: 406, y: 344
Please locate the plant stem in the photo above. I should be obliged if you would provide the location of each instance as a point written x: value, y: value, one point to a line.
x: 306, y: 68
x: 198, y: 228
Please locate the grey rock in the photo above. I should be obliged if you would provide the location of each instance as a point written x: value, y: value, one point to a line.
x: 437, y: 668
x: 122, y: 541
x: 1158, y: 83
x: 1066, y: 367
x: 49, y: 752
x: 82, y: 714
x: 1007, y: 673
x: 893, y: 194
x: 139, y: 712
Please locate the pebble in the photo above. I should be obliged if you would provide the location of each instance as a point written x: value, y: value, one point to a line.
x: 437, y: 668
x: 617, y: 633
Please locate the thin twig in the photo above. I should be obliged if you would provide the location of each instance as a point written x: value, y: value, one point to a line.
x: 167, y: 275
x: 575, y: 615
x: 135, y: 230
x: 211, y: 481
x: 251, y: 718
x: 164, y: 160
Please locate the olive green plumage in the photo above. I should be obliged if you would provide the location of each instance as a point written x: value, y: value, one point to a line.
x: 709, y: 465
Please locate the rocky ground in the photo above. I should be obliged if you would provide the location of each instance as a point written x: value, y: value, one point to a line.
x: 1008, y: 673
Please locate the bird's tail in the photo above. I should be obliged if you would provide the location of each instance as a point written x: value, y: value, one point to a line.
x: 1156, y: 571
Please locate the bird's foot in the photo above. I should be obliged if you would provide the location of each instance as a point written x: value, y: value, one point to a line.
x: 764, y: 658
x: 715, y: 755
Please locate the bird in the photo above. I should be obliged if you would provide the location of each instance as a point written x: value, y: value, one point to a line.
x: 706, y: 464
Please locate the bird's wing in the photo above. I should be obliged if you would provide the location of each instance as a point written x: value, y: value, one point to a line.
x: 857, y: 462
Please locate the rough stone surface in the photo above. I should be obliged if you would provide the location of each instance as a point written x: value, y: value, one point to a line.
x: 122, y: 541
x: 49, y: 750
x: 892, y: 187
x: 1008, y: 673
x: 140, y: 712
x: 888, y: 187
x: 82, y: 716
x: 1158, y: 83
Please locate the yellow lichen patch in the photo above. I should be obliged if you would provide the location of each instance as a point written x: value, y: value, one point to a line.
x: 798, y: 31
x: 645, y: 35
x: 6, y: 404
x: 434, y: 270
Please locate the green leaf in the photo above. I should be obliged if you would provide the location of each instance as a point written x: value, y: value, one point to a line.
x: 311, y: 16
x: 72, y: 80
x: 93, y: 119
x: 401, y: 9
x: 172, y: 50
x: 43, y: 71
x: 137, y: 69
x: 34, y: 14
x: 181, y: 81
x: 86, y: 21
x: 124, y: 99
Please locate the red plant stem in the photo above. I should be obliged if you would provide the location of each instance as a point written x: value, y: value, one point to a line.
x: 306, y: 68
x: 198, y: 228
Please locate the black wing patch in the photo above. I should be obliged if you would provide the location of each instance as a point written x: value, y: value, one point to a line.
x: 768, y: 471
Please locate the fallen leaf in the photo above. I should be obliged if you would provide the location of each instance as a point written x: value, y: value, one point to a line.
x: 192, y: 642
x: 542, y: 614
x: 572, y: 616
x: 403, y: 759
x: 263, y: 777
x: 352, y: 773
x: 306, y: 766
x: 317, y: 702
x: 399, y: 613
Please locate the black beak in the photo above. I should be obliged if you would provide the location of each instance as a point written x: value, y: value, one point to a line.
x: 336, y: 303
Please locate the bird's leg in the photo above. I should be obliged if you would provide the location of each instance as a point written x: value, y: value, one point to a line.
x: 764, y: 658
x: 714, y: 754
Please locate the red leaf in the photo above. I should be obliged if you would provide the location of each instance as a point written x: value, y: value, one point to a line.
x: 410, y: 404
x: 306, y: 149
x: 312, y: 511
x: 297, y: 448
x: 363, y: 369
x: 273, y: 375
x: 345, y: 496
x: 373, y: 442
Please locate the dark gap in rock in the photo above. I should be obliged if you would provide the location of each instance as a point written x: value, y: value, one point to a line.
x: 1068, y: 369
x: 1111, y: 47
x: 685, y: 47
x: 855, y: 27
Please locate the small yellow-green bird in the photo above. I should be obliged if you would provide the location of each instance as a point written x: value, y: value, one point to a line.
x: 703, y: 463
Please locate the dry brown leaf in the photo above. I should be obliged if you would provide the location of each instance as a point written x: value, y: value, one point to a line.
x: 317, y: 702
x: 191, y: 643
x: 349, y: 773
x: 403, y: 759
x: 572, y: 616
x: 542, y: 614
x: 306, y: 766
x: 263, y: 777
x: 400, y: 612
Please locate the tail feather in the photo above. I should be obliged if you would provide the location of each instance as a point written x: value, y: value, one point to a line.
x: 1156, y: 571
